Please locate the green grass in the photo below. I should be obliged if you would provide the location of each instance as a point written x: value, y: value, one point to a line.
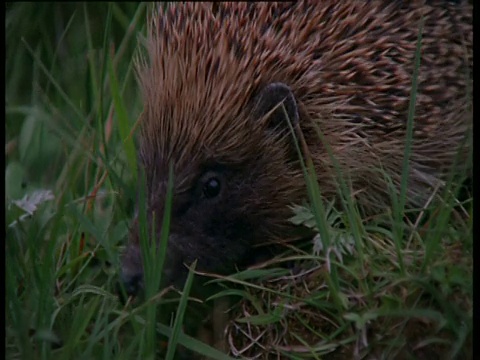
x: 396, y: 288
x: 71, y: 104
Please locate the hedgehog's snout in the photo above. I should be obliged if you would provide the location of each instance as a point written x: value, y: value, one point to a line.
x: 131, y: 272
x: 132, y: 283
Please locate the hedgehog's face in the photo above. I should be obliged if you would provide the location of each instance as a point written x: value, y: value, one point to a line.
x: 220, y: 209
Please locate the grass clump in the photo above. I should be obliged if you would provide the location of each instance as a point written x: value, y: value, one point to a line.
x: 71, y: 184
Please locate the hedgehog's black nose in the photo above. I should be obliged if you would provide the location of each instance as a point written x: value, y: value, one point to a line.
x: 132, y: 285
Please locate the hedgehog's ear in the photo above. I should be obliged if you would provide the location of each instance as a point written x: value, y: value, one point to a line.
x: 268, y: 105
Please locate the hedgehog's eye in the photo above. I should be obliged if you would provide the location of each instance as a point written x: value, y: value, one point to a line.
x: 211, y: 187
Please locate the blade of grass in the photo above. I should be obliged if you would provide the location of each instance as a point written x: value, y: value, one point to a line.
x: 314, y: 194
x: 399, y: 208
x: 122, y: 118
x: 153, y: 254
x: 177, y: 325
x: 194, y: 344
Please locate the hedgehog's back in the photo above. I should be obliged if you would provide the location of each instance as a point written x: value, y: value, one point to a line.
x: 349, y: 65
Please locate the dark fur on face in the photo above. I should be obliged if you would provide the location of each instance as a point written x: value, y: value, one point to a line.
x: 220, y: 209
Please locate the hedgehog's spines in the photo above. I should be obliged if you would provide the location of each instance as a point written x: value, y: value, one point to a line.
x: 349, y: 64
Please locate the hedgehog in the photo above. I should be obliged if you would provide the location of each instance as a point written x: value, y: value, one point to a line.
x: 224, y: 84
